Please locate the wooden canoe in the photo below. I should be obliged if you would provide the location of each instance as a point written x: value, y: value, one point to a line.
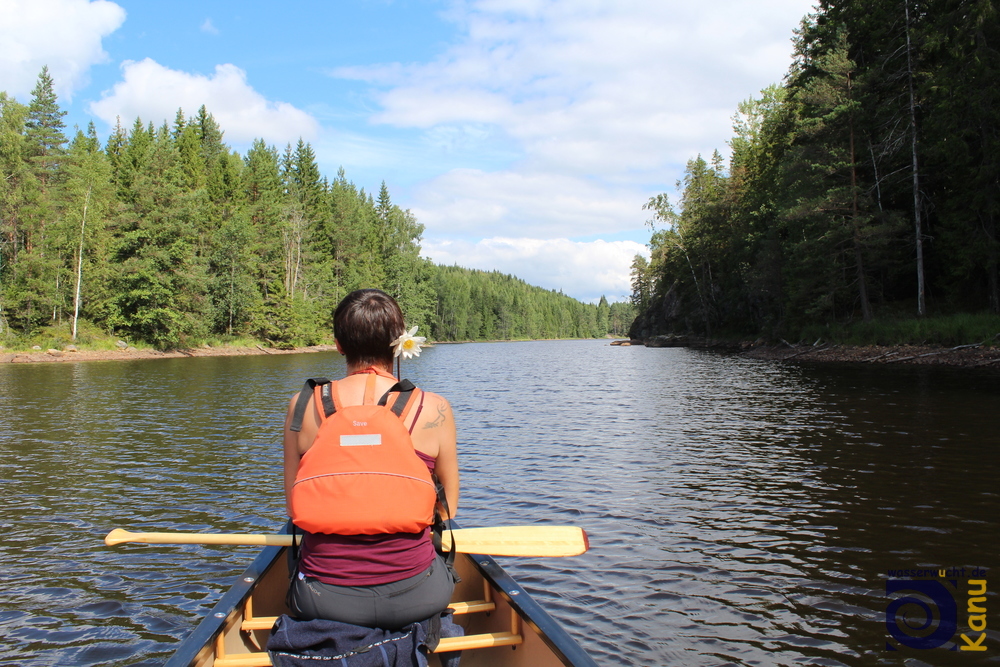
x: 503, y: 624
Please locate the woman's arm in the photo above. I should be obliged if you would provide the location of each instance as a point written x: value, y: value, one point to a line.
x: 290, y: 442
x: 447, y: 462
x: 434, y: 434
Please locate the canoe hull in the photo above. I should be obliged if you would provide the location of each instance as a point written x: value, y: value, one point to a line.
x: 238, y: 627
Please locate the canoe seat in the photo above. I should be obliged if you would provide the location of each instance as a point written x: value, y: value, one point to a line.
x: 466, y: 643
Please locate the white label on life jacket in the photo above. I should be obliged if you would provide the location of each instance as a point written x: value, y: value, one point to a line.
x: 358, y: 440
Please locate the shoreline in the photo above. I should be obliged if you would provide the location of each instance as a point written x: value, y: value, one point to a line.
x: 133, y: 354
x: 961, y: 356
x: 975, y: 355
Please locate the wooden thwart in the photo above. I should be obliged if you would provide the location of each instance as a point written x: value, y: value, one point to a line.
x: 249, y: 660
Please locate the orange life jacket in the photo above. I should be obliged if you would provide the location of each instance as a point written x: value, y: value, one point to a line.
x: 361, y: 476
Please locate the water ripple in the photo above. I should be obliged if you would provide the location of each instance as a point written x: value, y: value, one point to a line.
x: 740, y: 512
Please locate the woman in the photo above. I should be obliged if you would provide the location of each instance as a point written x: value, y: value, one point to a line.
x: 381, y: 579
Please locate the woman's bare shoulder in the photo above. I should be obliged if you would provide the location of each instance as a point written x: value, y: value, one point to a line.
x: 436, y: 403
x: 435, y: 411
x: 431, y: 397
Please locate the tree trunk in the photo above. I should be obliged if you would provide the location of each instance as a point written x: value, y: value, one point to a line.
x: 79, y: 265
x: 232, y: 295
x: 866, y: 310
x: 992, y: 264
x: 921, y: 305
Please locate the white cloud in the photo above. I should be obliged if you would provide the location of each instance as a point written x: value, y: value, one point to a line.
x: 607, y: 86
x: 471, y: 202
x: 583, y: 270
x: 153, y: 92
x: 209, y: 27
x: 63, y: 34
x: 599, y: 105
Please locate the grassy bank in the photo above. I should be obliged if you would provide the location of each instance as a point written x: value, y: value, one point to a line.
x: 943, y: 330
x: 93, y: 339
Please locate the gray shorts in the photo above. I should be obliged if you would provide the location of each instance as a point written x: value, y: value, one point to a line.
x: 387, y: 606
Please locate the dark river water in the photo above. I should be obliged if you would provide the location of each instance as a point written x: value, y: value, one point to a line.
x: 740, y: 512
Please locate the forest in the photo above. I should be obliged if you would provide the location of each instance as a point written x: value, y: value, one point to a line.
x: 866, y: 185
x: 167, y: 237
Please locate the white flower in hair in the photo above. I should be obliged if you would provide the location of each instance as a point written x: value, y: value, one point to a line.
x: 408, y: 344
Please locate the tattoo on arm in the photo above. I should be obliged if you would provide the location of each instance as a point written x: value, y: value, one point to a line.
x: 439, y: 420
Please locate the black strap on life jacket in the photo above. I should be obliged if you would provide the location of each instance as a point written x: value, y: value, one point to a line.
x: 300, y: 406
x: 441, y: 525
x: 404, y: 387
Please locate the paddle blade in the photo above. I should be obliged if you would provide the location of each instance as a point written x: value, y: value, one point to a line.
x: 117, y: 536
x: 529, y: 541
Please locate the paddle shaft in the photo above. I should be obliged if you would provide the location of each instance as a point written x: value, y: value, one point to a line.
x: 496, y: 541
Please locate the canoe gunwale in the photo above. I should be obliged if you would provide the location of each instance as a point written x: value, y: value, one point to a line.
x: 532, y: 614
x: 215, y: 622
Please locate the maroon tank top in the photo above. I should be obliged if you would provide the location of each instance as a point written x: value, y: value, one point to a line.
x: 367, y: 560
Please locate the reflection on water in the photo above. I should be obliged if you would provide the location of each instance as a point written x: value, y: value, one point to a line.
x: 740, y: 512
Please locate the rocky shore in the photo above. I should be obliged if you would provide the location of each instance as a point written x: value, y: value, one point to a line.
x: 963, y: 356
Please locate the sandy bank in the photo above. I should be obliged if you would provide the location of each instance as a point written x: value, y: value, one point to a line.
x: 963, y: 356
x: 130, y: 354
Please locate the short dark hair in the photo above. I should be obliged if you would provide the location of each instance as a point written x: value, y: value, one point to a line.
x: 365, y: 324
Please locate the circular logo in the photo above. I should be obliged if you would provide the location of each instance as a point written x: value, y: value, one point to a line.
x: 922, y: 614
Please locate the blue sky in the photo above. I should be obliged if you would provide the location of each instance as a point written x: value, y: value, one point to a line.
x: 524, y: 134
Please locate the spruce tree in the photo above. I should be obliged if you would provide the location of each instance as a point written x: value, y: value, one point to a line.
x: 160, y: 287
x: 44, y: 129
x: 210, y: 135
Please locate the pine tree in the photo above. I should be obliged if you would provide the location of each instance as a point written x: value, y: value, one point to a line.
x: 828, y: 214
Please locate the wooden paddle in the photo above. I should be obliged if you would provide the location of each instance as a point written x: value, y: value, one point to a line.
x: 495, y: 541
